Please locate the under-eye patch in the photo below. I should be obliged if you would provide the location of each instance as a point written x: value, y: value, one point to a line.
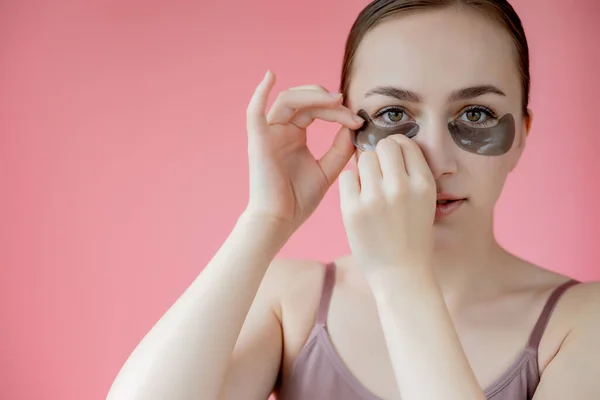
x: 369, y: 134
x: 490, y: 141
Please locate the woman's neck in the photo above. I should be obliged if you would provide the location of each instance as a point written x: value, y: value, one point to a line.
x: 471, y: 267
x: 468, y: 265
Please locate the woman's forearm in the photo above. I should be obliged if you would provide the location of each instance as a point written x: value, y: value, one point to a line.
x: 428, y: 360
x: 186, y: 354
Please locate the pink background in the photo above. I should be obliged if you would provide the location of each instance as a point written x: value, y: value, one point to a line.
x: 123, y: 162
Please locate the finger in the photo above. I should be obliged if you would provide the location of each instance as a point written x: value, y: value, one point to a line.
x: 414, y: 159
x: 289, y: 101
x: 349, y: 186
x: 369, y: 173
x: 337, y: 157
x: 391, y: 162
x: 256, y: 110
x: 354, y: 158
x: 311, y: 87
x: 340, y: 114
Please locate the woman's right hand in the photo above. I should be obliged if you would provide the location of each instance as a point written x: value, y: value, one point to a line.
x: 287, y: 183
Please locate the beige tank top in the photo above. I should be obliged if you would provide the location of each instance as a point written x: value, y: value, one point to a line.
x: 319, y: 374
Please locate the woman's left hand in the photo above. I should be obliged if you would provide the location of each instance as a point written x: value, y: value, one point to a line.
x: 388, y: 206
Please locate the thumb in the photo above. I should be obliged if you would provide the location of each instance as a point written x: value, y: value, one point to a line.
x: 336, y: 158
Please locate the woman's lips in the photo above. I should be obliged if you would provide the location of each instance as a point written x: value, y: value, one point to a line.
x: 442, y: 210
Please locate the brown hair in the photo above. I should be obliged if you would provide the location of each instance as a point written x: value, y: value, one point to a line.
x: 498, y: 10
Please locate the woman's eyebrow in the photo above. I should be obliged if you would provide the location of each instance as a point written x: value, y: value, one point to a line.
x: 396, y: 92
x: 457, y: 95
x: 474, y: 91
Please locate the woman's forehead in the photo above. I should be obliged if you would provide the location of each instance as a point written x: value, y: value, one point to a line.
x: 436, y: 51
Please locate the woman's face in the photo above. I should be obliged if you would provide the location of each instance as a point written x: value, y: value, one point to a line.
x: 425, y: 59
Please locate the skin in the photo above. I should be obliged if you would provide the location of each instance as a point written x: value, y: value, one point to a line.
x: 436, y: 290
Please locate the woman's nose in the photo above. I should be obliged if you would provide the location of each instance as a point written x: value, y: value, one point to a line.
x: 439, y: 149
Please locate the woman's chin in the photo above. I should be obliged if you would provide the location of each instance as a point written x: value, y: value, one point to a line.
x: 445, y: 236
x: 460, y: 234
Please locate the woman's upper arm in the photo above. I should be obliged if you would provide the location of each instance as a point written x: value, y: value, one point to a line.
x: 256, y: 359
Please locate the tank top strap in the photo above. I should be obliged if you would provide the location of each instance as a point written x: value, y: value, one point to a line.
x: 542, y: 322
x: 326, y: 292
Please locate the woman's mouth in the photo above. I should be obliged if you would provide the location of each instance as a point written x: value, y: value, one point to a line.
x: 446, y: 206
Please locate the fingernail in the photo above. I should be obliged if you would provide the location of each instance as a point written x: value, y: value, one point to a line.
x: 335, y: 95
x: 358, y: 119
x: 267, y: 74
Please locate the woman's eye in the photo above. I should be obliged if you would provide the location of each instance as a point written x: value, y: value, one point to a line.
x: 390, y: 116
x: 394, y: 115
x: 474, y: 116
x: 478, y: 117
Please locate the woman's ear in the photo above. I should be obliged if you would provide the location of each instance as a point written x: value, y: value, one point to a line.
x: 528, y: 119
x: 522, y: 139
x: 525, y: 129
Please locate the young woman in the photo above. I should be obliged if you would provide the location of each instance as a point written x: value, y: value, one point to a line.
x: 428, y: 305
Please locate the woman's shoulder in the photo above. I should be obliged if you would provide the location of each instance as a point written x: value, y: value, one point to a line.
x: 578, y: 300
x: 294, y: 285
x: 570, y: 342
x: 301, y: 280
x: 517, y: 275
x: 580, y: 304
x: 287, y: 275
x: 575, y: 311
x: 546, y: 280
